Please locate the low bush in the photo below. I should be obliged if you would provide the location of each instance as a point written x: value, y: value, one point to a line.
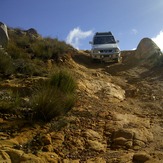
x: 22, y: 45
x: 42, y: 49
x: 16, y: 52
x: 28, y: 67
x: 54, y: 97
x: 6, y: 64
x: 64, y: 81
x: 49, y: 48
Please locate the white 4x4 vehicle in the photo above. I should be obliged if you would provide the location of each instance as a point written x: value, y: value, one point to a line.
x: 105, y: 48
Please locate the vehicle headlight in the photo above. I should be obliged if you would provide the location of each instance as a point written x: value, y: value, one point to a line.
x: 95, y: 51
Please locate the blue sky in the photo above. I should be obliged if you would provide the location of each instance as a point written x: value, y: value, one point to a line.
x: 75, y: 21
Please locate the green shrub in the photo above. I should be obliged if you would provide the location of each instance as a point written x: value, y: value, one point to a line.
x: 54, y: 97
x: 42, y: 49
x: 24, y: 50
x: 29, y: 67
x: 6, y: 64
x: 49, y: 48
x: 16, y: 52
x: 22, y: 45
x: 50, y: 102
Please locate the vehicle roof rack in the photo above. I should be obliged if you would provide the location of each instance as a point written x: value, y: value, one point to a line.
x: 103, y: 33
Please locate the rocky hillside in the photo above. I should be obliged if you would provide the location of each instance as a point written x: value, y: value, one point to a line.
x: 117, y: 117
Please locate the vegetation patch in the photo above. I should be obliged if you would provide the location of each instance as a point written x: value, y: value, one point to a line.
x: 9, y: 101
x: 27, y: 55
x: 6, y: 64
x: 54, y: 97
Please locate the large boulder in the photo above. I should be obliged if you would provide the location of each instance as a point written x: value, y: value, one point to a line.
x: 32, y: 33
x: 3, y: 34
x: 147, y: 49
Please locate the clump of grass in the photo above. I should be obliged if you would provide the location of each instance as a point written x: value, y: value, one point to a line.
x: 64, y: 81
x: 54, y: 97
x: 6, y: 63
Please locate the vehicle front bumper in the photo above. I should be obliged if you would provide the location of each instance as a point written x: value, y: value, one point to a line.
x: 106, y: 57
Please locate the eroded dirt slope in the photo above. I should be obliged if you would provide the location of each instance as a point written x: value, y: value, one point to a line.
x: 117, y: 119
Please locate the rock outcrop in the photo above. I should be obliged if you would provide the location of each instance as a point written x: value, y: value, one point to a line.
x: 147, y: 50
x: 32, y: 33
x: 3, y: 34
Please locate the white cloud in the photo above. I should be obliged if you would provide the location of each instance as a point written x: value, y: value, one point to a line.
x: 76, y: 35
x: 159, y: 40
x: 134, y: 31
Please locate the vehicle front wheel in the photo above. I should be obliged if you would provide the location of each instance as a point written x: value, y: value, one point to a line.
x: 118, y: 60
x: 94, y: 60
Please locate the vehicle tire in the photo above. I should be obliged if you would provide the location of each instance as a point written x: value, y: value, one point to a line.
x: 119, y: 60
x: 95, y: 60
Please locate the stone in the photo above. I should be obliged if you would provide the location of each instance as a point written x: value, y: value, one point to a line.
x: 3, y: 136
x: 46, y: 139
x: 92, y: 135
x: 143, y: 134
x: 32, y: 33
x: 141, y: 157
x: 3, y: 35
x: 57, y: 135
x: 49, y: 157
x: 96, y: 87
x: 48, y: 148
x: 28, y: 158
x: 122, y: 138
x: 126, y: 157
x: 4, y: 157
x: 96, y: 146
x: 96, y: 160
x: 57, y: 139
x: 78, y: 142
x: 138, y: 144
x: 71, y: 161
x: 127, y: 134
x: 119, y: 141
x: 133, y: 132
x: 147, y: 50
x: 8, y: 143
x: 20, y: 156
x: 154, y: 161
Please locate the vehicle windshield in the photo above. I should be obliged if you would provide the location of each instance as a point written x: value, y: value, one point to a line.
x: 104, y: 40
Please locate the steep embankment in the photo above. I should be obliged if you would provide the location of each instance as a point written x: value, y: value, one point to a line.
x: 117, y: 118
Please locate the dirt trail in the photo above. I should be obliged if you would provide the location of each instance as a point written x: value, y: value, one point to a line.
x: 143, y: 101
x: 118, y: 119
